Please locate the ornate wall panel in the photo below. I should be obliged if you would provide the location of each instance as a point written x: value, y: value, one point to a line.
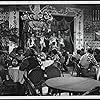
x: 14, y: 20
x: 87, y: 21
x: 78, y: 31
x: 91, y: 25
x: 4, y: 15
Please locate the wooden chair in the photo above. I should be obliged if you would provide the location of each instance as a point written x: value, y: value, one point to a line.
x: 77, y: 69
x: 94, y: 91
x: 9, y: 88
x: 81, y: 72
x: 52, y: 72
x: 30, y: 88
x: 36, y: 76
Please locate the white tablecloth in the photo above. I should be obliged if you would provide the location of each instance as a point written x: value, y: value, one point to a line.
x: 17, y: 75
x: 47, y: 63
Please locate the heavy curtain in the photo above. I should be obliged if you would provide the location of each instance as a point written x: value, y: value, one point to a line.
x: 65, y: 24
x: 21, y: 40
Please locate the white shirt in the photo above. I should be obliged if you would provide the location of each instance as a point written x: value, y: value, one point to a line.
x: 42, y: 41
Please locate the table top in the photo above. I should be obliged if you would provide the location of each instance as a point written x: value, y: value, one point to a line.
x: 72, y: 84
x: 17, y: 68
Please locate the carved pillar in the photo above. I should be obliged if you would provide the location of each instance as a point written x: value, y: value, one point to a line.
x: 78, y: 35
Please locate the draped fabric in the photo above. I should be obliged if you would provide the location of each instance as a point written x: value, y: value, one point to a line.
x: 21, y: 40
x: 66, y: 26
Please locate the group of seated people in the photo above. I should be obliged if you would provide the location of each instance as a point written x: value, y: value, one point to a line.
x: 25, y: 61
x: 88, y: 62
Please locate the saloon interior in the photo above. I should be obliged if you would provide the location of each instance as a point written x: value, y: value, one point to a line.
x: 49, y: 49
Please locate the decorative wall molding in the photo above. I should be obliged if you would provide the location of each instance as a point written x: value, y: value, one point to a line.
x: 79, y: 40
x: 91, y: 26
x: 74, y: 12
x: 14, y: 21
x: 4, y: 15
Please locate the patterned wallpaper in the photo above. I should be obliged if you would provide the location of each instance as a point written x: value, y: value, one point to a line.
x: 90, y: 26
x: 4, y: 15
x: 78, y: 28
x: 87, y: 21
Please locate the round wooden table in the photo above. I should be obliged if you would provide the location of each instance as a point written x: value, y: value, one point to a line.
x: 72, y: 84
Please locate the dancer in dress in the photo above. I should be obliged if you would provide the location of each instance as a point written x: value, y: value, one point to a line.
x: 61, y: 41
x: 31, y: 41
x: 53, y: 42
x: 42, y: 42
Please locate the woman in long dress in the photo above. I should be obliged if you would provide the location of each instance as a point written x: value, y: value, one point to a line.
x: 61, y: 42
x: 31, y: 41
x: 53, y: 42
x: 42, y: 42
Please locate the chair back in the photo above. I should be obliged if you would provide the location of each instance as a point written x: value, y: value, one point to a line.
x: 30, y: 87
x: 36, y: 76
x: 52, y: 72
x: 24, y: 64
x: 57, y: 64
x: 29, y: 63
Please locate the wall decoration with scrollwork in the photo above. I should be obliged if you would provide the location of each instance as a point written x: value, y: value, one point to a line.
x: 79, y: 31
x: 6, y: 32
x: 4, y: 15
x: 87, y: 21
x: 4, y: 27
x: 45, y: 14
x: 91, y: 27
x: 67, y: 11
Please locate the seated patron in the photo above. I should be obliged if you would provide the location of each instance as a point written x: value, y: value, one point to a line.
x: 15, y: 74
x: 55, y: 55
x: 97, y: 55
x: 19, y: 54
x: 82, y: 52
x: 88, y: 64
x: 30, y: 61
x: 77, y: 56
